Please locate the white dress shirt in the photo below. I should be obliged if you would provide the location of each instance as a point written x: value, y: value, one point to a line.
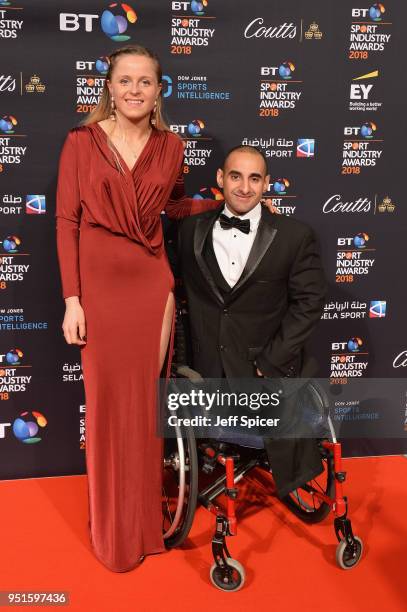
x: 232, y: 247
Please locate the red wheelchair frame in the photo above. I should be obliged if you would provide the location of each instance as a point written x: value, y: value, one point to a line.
x: 227, y: 573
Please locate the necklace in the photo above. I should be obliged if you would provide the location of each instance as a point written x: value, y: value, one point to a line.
x: 132, y: 151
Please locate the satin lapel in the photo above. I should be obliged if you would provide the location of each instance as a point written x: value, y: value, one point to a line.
x: 202, y: 228
x: 264, y: 237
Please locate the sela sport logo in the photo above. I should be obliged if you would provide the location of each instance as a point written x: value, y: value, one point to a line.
x: 35, y: 204
x: 305, y: 147
x: 377, y: 309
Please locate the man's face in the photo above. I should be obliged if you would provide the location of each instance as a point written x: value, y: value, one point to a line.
x: 243, y: 181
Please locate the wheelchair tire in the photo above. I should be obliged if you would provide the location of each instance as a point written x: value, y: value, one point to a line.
x: 231, y: 579
x: 180, y: 486
x: 347, y: 558
x: 302, y: 501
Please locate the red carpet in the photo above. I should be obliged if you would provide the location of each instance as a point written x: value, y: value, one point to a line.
x: 290, y: 566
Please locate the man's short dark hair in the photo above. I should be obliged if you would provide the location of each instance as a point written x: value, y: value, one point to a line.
x: 248, y: 149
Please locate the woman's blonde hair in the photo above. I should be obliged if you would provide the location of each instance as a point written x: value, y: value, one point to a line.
x: 104, y: 108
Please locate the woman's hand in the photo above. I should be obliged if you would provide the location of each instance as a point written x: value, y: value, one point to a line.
x: 273, y: 209
x: 74, y: 324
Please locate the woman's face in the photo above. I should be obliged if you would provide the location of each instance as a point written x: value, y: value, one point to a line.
x: 134, y: 86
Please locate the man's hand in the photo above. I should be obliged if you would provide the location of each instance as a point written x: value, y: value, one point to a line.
x: 74, y: 324
x: 258, y: 372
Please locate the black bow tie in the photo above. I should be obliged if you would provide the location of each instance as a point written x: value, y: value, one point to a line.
x: 241, y: 224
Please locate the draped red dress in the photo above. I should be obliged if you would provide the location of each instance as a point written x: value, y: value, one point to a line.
x: 111, y: 254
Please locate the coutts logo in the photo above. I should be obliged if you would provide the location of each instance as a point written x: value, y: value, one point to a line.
x: 7, y: 82
x: 335, y: 204
x: 401, y: 360
x: 257, y: 29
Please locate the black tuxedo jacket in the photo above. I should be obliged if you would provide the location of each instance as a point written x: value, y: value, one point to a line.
x: 271, y: 311
x: 262, y: 322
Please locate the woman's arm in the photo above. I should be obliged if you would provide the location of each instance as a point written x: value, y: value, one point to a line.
x: 68, y: 214
x: 180, y: 206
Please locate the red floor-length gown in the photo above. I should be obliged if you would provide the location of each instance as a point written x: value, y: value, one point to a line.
x: 111, y: 254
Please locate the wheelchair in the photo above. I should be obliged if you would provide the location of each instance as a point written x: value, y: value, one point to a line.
x: 185, y: 457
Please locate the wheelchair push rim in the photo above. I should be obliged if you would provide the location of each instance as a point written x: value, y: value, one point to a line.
x: 308, y: 502
x: 180, y: 486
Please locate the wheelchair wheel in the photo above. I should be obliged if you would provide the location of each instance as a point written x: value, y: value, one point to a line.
x: 304, y: 503
x: 230, y: 578
x: 347, y: 556
x: 180, y: 486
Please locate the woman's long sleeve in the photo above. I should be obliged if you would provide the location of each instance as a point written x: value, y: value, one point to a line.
x: 180, y: 206
x: 68, y: 214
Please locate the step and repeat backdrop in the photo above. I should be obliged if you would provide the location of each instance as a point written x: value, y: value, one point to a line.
x: 318, y: 86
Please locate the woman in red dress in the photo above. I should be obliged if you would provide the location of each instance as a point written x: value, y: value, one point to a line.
x: 117, y: 173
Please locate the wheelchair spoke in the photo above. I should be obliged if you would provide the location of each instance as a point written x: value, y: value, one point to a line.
x: 167, y: 504
x: 305, y: 501
x: 315, y: 485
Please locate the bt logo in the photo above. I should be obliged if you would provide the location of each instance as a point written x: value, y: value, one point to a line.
x: 285, y: 70
x: 11, y: 244
x: 375, y: 12
x: 69, y: 22
x: 212, y: 193
x: 194, y: 128
x: 198, y: 8
x: 7, y: 124
x: 280, y: 186
x: 3, y: 429
x: 12, y: 357
x: 366, y: 130
x: 27, y: 426
x: 352, y: 345
x: 114, y: 25
x: 101, y: 65
x: 358, y: 241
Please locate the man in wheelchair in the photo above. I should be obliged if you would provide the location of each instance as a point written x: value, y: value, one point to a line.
x: 255, y: 290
